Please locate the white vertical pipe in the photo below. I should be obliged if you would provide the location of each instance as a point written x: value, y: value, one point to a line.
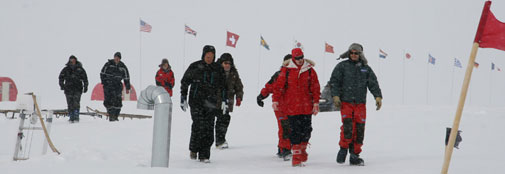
x: 157, y: 98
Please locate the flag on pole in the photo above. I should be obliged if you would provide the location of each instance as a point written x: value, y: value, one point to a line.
x: 298, y: 45
x: 382, y: 54
x: 145, y: 27
x: 431, y: 59
x: 264, y: 43
x: 492, y: 66
x: 231, y: 39
x: 457, y: 63
x: 491, y: 31
x: 408, y: 56
x: 328, y: 48
x: 476, y: 65
x: 189, y: 30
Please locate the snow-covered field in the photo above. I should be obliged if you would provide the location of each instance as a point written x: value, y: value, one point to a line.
x: 399, y: 140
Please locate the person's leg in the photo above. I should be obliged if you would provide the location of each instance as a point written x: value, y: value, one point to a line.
x: 307, y: 130
x: 222, y: 123
x: 346, y: 131
x: 208, y: 133
x: 70, y: 108
x: 194, y: 145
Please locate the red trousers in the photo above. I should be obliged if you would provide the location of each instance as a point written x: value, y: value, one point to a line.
x: 283, y: 133
x: 352, y: 131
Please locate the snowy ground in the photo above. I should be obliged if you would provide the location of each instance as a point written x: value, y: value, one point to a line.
x: 399, y: 140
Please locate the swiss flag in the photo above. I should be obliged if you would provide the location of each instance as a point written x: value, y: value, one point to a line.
x: 328, y: 48
x: 231, y: 39
x: 491, y: 31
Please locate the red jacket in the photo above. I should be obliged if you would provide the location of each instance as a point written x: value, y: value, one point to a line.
x: 300, y: 89
x: 165, y: 79
x: 269, y: 89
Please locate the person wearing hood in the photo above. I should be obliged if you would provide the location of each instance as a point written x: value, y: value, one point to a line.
x: 205, y: 78
x: 349, y: 82
x: 74, y: 81
x: 283, y: 145
x: 233, y: 90
x: 111, y: 75
x: 299, y: 86
x: 165, y: 76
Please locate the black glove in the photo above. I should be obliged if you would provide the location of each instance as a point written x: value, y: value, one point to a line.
x: 259, y: 100
x: 85, y: 89
x: 62, y: 88
x: 168, y: 84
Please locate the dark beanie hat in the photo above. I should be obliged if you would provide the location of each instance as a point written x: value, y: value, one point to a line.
x: 287, y: 57
x: 164, y: 61
x: 208, y: 48
x: 226, y: 57
x: 117, y: 54
x: 72, y: 57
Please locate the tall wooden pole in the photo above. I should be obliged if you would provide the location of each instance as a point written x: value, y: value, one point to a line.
x: 459, y: 111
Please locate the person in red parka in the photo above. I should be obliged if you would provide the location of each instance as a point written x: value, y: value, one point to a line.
x: 165, y: 76
x: 284, y: 145
x: 298, y: 80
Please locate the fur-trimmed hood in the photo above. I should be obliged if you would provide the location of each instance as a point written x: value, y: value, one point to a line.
x: 307, y: 64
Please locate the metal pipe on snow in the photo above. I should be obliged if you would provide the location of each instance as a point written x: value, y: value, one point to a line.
x: 157, y: 98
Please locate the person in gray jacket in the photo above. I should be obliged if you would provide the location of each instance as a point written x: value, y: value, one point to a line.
x: 349, y: 82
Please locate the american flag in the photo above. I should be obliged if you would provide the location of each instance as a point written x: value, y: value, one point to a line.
x: 457, y: 63
x: 431, y: 59
x: 145, y: 27
x: 189, y: 30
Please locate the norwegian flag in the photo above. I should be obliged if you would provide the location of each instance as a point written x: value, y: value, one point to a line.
x: 231, y: 39
x: 145, y: 27
x: 189, y: 30
x: 382, y: 54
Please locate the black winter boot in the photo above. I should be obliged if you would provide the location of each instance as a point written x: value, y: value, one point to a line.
x: 341, y: 155
x: 279, y: 152
x: 286, y: 154
x: 355, y: 160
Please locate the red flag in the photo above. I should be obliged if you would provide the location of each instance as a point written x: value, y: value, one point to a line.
x: 231, y: 39
x: 408, y: 56
x: 328, y: 48
x: 491, y: 31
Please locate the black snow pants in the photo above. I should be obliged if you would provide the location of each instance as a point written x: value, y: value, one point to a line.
x: 73, y: 101
x: 202, y: 131
x: 222, y: 123
x: 113, y: 99
x: 301, y: 128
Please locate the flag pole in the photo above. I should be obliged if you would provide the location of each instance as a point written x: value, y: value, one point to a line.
x: 403, y: 79
x: 452, y: 82
x: 140, y: 58
x: 259, y: 64
x: 184, y: 49
x: 490, y: 85
x: 455, y: 127
x: 427, y: 81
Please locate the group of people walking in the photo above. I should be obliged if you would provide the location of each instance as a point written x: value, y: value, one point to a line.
x: 212, y: 88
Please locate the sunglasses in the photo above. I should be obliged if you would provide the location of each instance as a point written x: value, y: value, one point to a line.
x: 356, y: 53
x: 299, y: 58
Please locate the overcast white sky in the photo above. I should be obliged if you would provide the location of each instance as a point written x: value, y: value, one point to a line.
x: 37, y: 37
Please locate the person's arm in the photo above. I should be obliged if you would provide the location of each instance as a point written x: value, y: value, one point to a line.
x: 61, y: 78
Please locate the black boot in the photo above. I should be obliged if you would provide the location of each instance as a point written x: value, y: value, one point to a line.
x: 355, y: 160
x: 342, y: 154
x: 279, y: 152
x: 286, y: 154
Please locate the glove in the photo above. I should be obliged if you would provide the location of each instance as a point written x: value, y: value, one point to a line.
x: 315, y: 110
x: 275, y: 105
x: 337, y: 102
x: 224, y: 107
x: 85, y: 89
x: 378, y: 102
x: 259, y: 100
x: 127, y: 91
x: 239, y: 101
x: 184, y: 104
x: 62, y: 88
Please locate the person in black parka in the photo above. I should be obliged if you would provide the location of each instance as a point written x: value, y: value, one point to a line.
x: 74, y: 81
x: 111, y: 75
x: 206, y: 78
